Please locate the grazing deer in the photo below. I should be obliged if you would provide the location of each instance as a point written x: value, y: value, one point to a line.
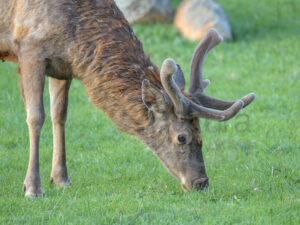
x: 92, y: 41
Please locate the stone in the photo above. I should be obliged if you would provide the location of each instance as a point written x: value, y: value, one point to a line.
x: 146, y: 11
x: 194, y: 18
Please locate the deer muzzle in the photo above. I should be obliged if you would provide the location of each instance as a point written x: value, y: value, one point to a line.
x: 198, y: 184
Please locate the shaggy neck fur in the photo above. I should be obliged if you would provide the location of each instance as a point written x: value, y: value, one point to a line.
x: 112, y: 64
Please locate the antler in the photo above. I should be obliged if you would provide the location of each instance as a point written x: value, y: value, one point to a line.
x: 210, y: 40
x: 197, y: 84
x: 186, y: 108
x: 203, y: 105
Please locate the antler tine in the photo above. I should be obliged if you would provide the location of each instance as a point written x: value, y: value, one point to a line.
x: 169, y: 68
x: 203, y: 112
x: 184, y: 107
x: 215, y: 103
x: 197, y: 84
x: 210, y: 40
x: 179, y: 78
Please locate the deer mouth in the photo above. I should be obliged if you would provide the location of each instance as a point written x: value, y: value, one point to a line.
x: 201, y: 184
x: 198, y: 184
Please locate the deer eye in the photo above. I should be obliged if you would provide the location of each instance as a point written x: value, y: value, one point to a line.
x: 181, y: 140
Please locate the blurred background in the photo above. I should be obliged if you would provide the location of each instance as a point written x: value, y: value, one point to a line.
x: 233, y: 19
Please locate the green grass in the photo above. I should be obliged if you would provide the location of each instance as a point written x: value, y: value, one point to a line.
x: 253, y: 161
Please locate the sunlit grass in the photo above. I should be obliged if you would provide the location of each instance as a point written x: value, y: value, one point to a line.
x: 253, y: 161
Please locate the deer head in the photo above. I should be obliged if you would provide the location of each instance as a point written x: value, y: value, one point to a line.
x: 174, y: 134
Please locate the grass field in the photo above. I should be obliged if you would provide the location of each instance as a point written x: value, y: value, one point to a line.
x: 253, y: 161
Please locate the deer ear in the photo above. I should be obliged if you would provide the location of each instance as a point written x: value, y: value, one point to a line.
x: 153, y: 98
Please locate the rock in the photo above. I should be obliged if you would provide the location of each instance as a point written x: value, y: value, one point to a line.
x: 194, y: 17
x: 146, y: 11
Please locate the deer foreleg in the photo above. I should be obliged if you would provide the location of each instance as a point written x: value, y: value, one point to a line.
x: 59, y: 102
x: 32, y: 80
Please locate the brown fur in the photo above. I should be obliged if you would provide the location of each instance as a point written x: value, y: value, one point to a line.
x: 115, y: 66
x: 92, y: 41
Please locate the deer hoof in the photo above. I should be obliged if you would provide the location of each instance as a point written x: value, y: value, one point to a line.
x: 32, y: 190
x: 61, y: 181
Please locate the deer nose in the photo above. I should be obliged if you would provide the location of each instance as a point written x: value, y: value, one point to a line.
x: 201, y: 184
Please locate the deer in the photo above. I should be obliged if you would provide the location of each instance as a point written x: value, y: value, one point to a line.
x: 91, y: 41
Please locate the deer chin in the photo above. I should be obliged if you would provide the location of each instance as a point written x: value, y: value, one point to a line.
x: 186, y: 185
